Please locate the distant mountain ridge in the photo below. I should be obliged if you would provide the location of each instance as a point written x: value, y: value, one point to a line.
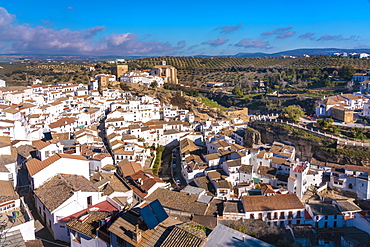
x: 301, y: 52
x: 295, y: 52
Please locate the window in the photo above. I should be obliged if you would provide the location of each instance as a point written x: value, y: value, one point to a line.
x: 298, y: 214
x: 326, y: 224
x: 290, y: 214
x: 89, y: 201
x: 251, y: 216
x: 282, y: 215
x: 326, y: 217
x: 335, y: 217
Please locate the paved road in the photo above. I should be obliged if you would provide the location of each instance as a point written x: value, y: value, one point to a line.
x: 178, y: 168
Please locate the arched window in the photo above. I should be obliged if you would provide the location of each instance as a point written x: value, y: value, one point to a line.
x: 298, y: 214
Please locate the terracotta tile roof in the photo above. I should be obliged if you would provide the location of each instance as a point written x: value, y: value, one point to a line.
x: 103, y: 206
x: 213, y: 156
x: 62, y: 122
x: 100, y: 156
x: 299, y: 168
x: 109, y: 167
x: 88, y: 226
x: 171, y: 132
x: 204, y: 183
x: 34, y: 243
x: 129, y: 168
x: 323, y: 163
x: 267, y: 189
x: 123, y: 152
x: 266, y: 171
x: 60, y: 188
x: 278, y: 160
x: 234, y: 163
x: 187, y: 145
x: 223, y: 184
x: 270, y: 203
x: 124, y: 227
x: 187, y: 234
x: 40, y: 144
x: 7, y: 159
x: 246, y: 168
x: 4, y: 141
x: 128, y: 137
x: 11, y: 110
x: 109, y: 183
x: 148, y: 180
x: 178, y: 201
x: 35, y: 165
x: 357, y: 168
x: 221, y: 143
x: 7, y: 192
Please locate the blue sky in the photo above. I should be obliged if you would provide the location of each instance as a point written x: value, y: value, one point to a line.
x: 180, y: 27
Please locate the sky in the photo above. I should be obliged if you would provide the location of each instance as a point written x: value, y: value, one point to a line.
x: 180, y: 28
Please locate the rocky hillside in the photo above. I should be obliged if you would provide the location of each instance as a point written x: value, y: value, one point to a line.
x: 308, y: 145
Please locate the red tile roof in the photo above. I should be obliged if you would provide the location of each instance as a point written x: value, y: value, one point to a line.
x: 270, y: 203
x: 35, y: 165
x: 62, y: 122
x: 299, y: 168
x: 101, y: 206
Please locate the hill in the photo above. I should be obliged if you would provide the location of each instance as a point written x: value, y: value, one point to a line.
x: 301, y: 52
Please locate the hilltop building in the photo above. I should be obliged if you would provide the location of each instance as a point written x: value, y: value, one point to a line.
x: 119, y: 69
x: 167, y: 72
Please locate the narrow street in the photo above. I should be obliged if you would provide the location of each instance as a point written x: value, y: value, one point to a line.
x: 165, y: 171
x: 41, y: 232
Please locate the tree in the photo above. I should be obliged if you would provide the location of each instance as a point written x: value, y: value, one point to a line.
x: 237, y: 92
x: 292, y: 112
x: 154, y: 84
x: 346, y: 72
x: 325, y: 124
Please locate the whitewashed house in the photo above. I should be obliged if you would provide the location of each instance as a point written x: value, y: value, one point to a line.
x: 62, y: 196
x: 41, y: 171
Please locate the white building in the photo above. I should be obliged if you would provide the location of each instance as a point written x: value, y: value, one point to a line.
x: 62, y: 196
x: 15, y: 215
x: 278, y: 210
x: 41, y: 171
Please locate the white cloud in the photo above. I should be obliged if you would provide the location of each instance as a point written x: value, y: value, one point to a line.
x: 42, y: 40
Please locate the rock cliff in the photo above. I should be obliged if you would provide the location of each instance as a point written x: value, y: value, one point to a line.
x: 309, y: 145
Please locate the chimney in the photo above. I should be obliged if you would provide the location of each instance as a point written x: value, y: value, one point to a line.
x: 136, y: 234
x: 78, y: 148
